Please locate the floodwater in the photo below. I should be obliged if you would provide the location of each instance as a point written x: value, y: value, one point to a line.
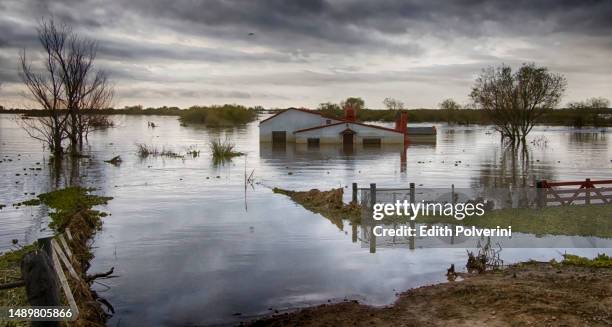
x: 191, y: 246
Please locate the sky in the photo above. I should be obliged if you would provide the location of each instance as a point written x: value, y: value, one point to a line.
x: 300, y: 53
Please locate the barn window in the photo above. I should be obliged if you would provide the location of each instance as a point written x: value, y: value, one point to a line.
x: 372, y: 141
x: 313, y: 142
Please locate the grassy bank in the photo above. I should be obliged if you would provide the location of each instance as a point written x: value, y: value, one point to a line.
x: 579, y: 220
x: 10, y: 271
x: 70, y: 208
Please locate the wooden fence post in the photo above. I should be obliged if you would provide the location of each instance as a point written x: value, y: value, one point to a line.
x: 41, y: 284
x: 587, y: 199
x: 372, y: 195
x: 411, y: 243
x: 354, y: 193
x: 540, y: 200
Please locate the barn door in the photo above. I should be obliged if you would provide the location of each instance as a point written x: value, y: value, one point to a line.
x: 279, y: 137
x: 347, y: 139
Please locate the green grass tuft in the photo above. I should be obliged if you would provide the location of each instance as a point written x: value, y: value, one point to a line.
x: 222, y: 151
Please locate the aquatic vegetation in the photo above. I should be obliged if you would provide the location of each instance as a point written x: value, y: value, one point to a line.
x: 223, y: 151
x: 576, y: 220
x: 600, y: 261
x: 192, y: 152
x: 226, y: 115
x: 99, y: 121
x: 145, y: 150
x: 31, y: 202
x: 68, y: 201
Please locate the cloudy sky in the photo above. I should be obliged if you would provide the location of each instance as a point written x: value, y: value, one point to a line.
x: 280, y: 53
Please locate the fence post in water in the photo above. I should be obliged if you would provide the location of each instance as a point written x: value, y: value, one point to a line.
x: 412, y: 223
x: 540, y: 194
x: 587, y: 186
x: 372, y: 203
x: 372, y: 195
x: 354, y: 193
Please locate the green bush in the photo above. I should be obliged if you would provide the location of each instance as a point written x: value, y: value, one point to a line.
x: 226, y: 115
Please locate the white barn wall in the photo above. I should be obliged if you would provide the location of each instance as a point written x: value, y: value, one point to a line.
x: 290, y: 120
x: 331, y: 134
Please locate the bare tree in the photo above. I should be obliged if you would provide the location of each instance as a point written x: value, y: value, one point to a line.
x: 85, y: 87
x: 79, y: 86
x: 47, y: 89
x: 393, y: 104
x: 515, y: 101
x: 97, y: 95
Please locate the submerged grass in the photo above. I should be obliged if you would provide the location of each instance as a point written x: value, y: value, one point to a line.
x: 223, y: 151
x: 225, y: 115
x: 578, y: 220
x: 68, y: 201
x: 146, y: 150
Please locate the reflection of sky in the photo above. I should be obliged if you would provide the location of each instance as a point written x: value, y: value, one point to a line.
x: 188, y: 252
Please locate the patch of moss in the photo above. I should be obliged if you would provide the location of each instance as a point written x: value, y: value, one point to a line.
x: 31, y: 202
x: 600, y: 261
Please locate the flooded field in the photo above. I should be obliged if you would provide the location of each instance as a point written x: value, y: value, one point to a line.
x: 191, y: 246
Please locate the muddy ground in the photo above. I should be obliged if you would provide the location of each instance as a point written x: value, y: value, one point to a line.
x: 528, y: 294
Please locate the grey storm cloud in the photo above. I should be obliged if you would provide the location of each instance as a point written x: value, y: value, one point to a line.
x: 301, y: 45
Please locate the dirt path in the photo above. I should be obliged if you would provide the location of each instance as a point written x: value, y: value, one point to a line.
x: 530, y: 294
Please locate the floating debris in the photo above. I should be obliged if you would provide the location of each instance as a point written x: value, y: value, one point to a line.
x: 116, y: 161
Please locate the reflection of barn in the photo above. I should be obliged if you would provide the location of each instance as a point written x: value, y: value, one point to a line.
x: 312, y: 128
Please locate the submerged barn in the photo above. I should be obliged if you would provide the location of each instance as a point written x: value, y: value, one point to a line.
x: 308, y: 126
